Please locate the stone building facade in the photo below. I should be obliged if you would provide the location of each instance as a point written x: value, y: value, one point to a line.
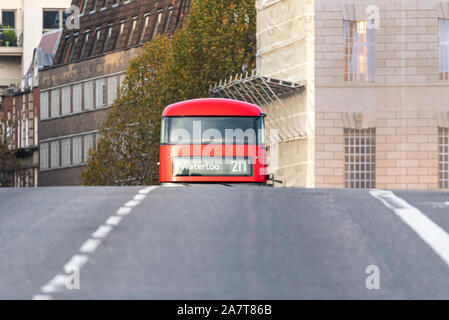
x: 374, y: 110
x: 78, y: 91
x: 382, y: 124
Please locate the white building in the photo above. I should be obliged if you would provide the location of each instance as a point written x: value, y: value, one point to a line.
x: 373, y: 111
x: 22, y: 23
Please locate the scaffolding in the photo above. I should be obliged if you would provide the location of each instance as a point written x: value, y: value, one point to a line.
x: 266, y: 93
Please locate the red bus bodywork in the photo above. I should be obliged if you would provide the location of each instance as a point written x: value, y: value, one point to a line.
x: 213, y: 108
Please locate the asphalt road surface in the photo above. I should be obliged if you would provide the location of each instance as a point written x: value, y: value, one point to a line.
x: 222, y: 242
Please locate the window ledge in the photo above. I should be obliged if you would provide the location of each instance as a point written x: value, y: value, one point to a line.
x: 62, y: 168
x: 76, y: 113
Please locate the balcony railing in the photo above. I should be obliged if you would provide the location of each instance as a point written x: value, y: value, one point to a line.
x: 11, y: 37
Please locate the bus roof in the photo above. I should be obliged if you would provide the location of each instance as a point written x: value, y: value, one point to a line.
x: 212, y: 107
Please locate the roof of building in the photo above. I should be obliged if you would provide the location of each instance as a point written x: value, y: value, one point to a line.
x: 212, y: 107
x: 49, y: 41
x: 45, y: 52
x: 118, y: 27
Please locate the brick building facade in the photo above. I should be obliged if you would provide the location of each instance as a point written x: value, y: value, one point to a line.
x: 20, y: 110
x: 78, y: 91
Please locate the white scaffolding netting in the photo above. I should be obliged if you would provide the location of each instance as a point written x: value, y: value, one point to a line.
x: 267, y: 93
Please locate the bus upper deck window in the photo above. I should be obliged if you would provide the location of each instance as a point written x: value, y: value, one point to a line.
x: 164, y: 131
x: 261, y: 130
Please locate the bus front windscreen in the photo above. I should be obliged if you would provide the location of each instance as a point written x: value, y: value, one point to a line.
x: 212, y: 130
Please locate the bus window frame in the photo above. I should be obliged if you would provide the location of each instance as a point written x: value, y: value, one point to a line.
x: 165, y: 130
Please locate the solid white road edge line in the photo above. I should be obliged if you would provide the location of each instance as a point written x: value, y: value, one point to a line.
x: 89, y: 246
x: 429, y: 231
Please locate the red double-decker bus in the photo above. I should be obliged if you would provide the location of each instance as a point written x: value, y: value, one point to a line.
x: 213, y: 140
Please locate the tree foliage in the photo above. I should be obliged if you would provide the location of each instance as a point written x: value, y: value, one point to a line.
x: 9, y: 163
x: 217, y: 40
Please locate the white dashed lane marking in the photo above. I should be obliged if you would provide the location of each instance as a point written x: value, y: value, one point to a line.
x: 123, y: 211
x: 429, y: 231
x: 114, y: 221
x: 132, y: 203
x: 139, y: 197
x: 76, y: 263
x: 102, y: 232
x: 58, y: 282
x: 90, y: 245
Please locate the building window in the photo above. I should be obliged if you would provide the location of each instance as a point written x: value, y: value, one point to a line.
x: 167, y: 22
x: 54, y: 19
x: 70, y: 48
x: 54, y: 156
x: 88, y: 144
x: 359, y: 50
x: 83, y: 6
x: 9, y: 19
x: 105, y: 6
x: 54, y: 103
x: 83, y: 45
x: 443, y: 158
x: 119, y: 37
x: 77, y: 94
x: 44, y: 105
x: 88, y: 95
x: 75, y: 41
x: 94, y: 7
x: 44, y: 155
x: 112, y: 89
x: 444, y: 49
x: 64, y: 49
x: 65, y: 152
x: 77, y: 150
x: 68, y: 52
x: 158, y: 22
x: 145, y: 26
x: 101, y: 93
x: 360, y: 158
x: 65, y: 103
x: 108, y: 36
x: 133, y: 28
x: 96, y: 38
